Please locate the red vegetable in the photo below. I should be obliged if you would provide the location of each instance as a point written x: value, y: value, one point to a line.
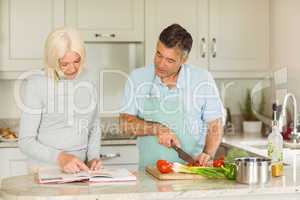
x: 218, y: 163
x: 164, y: 166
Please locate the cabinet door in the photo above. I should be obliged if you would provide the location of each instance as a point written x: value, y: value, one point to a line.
x: 120, y: 155
x: 107, y: 20
x: 191, y: 14
x: 239, y: 35
x: 12, y: 162
x: 24, y: 28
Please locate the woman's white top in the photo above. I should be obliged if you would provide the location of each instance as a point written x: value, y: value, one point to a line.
x: 59, y: 116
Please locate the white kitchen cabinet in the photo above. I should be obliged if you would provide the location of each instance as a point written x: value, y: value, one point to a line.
x: 24, y: 28
x: 239, y: 35
x: 230, y: 37
x: 191, y: 14
x: 125, y: 156
x: 12, y: 162
x: 107, y: 20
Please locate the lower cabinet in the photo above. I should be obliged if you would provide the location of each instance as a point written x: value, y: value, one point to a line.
x: 120, y: 156
x: 12, y: 162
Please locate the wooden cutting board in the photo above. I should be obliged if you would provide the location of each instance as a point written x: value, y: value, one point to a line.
x: 171, y: 176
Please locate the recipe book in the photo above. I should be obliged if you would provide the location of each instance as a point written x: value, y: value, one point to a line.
x: 103, y: 175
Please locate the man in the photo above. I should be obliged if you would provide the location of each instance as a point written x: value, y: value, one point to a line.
x: 172, y: 103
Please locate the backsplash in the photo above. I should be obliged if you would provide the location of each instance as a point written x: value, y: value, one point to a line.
x: 109, y: 127
x: 234, y: 95
x: 232, y: 92
x: 13, y: 124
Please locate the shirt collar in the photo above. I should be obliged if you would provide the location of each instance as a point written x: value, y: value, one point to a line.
x: 180, y: 80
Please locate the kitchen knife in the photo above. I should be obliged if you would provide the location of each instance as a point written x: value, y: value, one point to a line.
x: 183, y: 155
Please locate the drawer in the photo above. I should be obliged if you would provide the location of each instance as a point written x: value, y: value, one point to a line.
x: 127, y: 154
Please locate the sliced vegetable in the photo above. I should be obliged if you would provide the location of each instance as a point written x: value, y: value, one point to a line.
x: 226, y: 171
x: 218, y: 163
x: 164, y: 166
x: 210, y: 172
x: 229, y: 171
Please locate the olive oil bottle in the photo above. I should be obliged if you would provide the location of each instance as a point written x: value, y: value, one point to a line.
x: 275, y: 148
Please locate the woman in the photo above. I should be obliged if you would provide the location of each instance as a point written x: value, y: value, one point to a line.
x: 60, y: 123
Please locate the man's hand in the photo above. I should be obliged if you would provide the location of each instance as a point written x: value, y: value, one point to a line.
x: 203, y: 158
x: 212, y: 142
x: 94, y: 164
x: 166, y: 137
x: 70, y: 163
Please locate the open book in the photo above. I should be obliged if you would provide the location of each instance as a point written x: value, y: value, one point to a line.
x: 104, y: 175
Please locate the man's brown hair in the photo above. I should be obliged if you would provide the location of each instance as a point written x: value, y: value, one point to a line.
x: 176, y: 36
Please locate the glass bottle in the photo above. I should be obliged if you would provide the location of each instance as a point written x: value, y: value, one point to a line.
x: 275, y: 150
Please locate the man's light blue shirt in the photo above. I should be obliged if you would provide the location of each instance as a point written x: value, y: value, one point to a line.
x: 195, y: 86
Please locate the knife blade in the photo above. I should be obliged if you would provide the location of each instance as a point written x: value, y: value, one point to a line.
x: 183, y: 155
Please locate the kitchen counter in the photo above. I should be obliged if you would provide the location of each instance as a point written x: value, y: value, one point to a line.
x: 247, y: 141
x: 146, y: 187
x: 255, y: 143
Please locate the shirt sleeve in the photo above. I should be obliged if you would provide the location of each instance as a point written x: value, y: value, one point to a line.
x: 30, y: 121
x: 213, y: 107
x: 94, y: 138
x: 129, y: 105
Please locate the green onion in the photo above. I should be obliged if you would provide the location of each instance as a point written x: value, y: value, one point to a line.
x: 227, y: 171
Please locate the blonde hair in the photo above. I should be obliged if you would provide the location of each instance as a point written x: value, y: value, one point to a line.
x: 58, y: 43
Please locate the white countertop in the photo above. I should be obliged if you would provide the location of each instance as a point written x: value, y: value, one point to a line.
x: 285, y: 187
x: 146, y: 187
x: 246, y: 140
x: 254, y: 142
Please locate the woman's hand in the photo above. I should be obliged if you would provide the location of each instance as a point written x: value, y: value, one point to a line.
x: 94, y: 164
x: 70, y: 163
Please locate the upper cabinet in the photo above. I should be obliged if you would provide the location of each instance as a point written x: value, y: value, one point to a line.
x: 107, y: 20
x: 24, y: 28
x: 239, y: 35
x: 192, y: 14
x: 229, y: 36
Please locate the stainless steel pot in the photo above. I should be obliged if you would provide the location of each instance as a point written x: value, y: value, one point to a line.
x: 253, y: 170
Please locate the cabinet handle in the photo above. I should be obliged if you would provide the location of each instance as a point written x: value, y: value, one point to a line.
x: 112, y: 35
x: 214, y: 48
x: 109, y: 156
x: 203, y: 47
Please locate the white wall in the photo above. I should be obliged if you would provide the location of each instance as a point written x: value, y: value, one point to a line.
x: 112, y: 96
x: 285, y: 40
x: 116, y: 56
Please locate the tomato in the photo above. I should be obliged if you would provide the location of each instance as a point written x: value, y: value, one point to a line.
x: 218, y: 163
x: 164, y: 166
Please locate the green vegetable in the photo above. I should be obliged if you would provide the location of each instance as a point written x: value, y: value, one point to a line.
x: 227, y: 171
x: 235, y: 153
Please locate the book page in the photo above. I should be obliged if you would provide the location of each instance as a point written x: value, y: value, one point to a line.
x: 121, y: 174
x: 103, y: 175
x: 55, y: 175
